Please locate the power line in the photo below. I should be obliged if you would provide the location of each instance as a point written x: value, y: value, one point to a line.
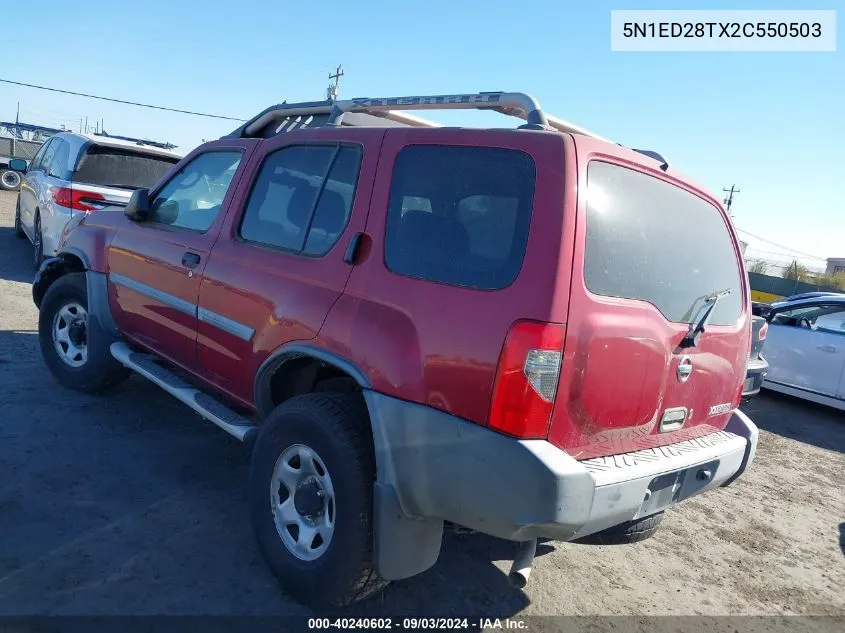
x: 134, y: 103
x: 781, y: 245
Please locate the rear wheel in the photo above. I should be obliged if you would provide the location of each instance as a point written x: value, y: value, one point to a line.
x: 10, y: 180
x: 19, y: 232
x: 37, y: 242
x: 311, y: 498
x: 625, y: 533
x: 69, y: 345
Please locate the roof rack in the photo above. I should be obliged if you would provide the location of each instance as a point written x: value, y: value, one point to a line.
x: 137, y: 141
x: 286, y: 117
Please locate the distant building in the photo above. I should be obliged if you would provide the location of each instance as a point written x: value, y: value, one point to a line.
x: 835, y: 265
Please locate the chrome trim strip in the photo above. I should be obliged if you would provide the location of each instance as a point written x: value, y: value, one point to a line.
x: 167, y: 299
x: 243, y: 332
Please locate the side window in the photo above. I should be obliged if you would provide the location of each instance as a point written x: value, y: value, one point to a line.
x: 193, y: 197
x: 39, y: 156
x: 460, y: 215
x: 58, y: 166
x: 302, y: 198
x: 829, y: 318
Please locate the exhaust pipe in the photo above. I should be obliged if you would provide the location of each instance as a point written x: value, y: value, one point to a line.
x: 521, y: 568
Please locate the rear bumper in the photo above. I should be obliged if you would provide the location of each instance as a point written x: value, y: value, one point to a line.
x: 755, y: 373
x: 442, y: 467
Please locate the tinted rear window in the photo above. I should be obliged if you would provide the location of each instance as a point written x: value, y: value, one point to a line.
x: 460, y: 215
x: 113, y: 167
x: 653, y: 241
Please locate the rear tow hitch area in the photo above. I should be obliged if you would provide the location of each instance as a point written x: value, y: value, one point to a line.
x: 521, y: 568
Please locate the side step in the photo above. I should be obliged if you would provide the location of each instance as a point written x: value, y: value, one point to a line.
x: 207, y: 406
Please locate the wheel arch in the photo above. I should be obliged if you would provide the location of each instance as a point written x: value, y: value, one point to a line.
x: 304, y: 366
x: 68, y: 261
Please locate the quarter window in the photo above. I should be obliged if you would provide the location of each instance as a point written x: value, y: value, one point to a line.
x: 302, y: 198
x: 193, y: 197
x: 460, y: 215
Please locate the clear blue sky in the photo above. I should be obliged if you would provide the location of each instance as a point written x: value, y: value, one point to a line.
x: 773, y: 123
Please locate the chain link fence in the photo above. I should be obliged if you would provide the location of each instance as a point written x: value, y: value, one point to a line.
x: 17, y: 148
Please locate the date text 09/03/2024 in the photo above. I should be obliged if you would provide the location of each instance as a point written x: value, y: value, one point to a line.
x: 417, y: 623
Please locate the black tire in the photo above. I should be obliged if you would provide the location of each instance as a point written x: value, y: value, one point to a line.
x: 100, y: 371
x: 37, y: 242
x: 18, y: 228
x: 337, y: 428
x: 10, y: 180
x: 625, y: 533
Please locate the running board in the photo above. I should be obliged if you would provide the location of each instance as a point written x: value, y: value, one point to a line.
x: 207, y: 406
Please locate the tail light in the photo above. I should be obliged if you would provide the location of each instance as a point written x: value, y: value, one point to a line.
x: 526, y: 380
x: 764, y: 329
x: 77, y: 199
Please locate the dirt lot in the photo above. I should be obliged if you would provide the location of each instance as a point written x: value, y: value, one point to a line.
x: 129, y: 503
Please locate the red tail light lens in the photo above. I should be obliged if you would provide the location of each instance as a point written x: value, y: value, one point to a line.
x: 526, y: 380
x: 761, y: 335
x: 76, y: 199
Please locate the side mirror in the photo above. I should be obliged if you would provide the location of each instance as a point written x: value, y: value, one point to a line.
x: 18, y: 164
x: 138, y: 207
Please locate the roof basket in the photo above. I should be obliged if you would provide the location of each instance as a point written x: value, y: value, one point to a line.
x: 392, y: 111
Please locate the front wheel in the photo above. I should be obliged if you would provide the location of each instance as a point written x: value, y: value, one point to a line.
x: 311, y: 498
x: 68, y: 342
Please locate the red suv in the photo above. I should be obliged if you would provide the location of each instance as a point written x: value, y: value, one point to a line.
x: 527, y: 332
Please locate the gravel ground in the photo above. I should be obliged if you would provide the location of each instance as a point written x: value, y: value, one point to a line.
x: 129, y: 504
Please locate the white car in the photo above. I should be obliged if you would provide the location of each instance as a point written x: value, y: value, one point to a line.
x: 80, y: 173
x: 805, y: 348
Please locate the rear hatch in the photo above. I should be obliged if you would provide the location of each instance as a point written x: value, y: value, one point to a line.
x: 650, y: 256
x: 105, y: 176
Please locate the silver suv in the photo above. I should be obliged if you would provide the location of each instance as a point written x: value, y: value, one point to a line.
x: 81, y: 173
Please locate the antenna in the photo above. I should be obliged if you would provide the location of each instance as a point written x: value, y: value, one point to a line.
x: 334, y: 82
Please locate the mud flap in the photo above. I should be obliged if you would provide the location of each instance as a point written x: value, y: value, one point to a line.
x: 403, y: 547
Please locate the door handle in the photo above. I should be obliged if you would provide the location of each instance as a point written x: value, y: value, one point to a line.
x: 828, y: 348
x: 353, y: 248
x: 190, y: 260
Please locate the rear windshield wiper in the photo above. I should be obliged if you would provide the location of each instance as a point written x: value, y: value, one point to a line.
x: 692, y: 337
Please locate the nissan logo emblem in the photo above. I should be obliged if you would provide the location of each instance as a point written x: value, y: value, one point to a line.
x: 684, y: 368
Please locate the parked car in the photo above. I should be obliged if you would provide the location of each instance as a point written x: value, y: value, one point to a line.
x: 416, y: 324
x: 807, y: 295
x: 80, y: 173
x: 806, y: 349
x: 757, y: 367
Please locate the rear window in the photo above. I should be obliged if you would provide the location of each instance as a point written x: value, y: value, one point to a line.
x: 460, y: 215
x: 653, y: 241
x: 115, y: 167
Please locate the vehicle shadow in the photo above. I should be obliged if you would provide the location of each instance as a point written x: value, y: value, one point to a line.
x: 142, y: 508
x: 798, y: 419
x: 15, y: 256
x: 842, y: 537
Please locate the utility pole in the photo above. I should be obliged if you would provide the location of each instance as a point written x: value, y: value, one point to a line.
x: 730, y: 198
x: 334, y: 81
